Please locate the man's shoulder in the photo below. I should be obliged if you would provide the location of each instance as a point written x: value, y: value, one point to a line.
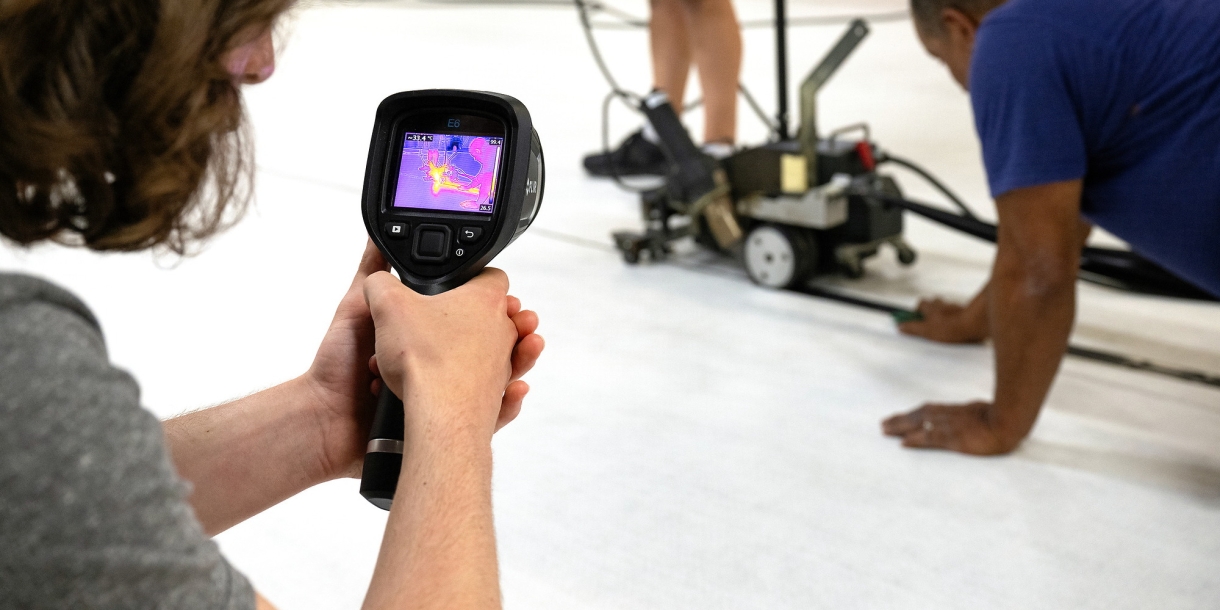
x: 1066, y: 12
x: 1074, y: 20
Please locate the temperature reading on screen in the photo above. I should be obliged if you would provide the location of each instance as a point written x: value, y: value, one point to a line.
x: 451, y: 173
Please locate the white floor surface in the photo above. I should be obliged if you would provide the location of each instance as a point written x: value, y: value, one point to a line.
x: 691, y: 441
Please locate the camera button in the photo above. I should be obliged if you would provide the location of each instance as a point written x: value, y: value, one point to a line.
x: 396, y: 230
x: 470, y: 234
x: 431, y: 243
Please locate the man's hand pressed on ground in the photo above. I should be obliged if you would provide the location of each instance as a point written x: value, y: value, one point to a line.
x: 946, y: 322
x: 1030, y: 303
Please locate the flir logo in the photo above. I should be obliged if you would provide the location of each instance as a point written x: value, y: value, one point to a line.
x: 531, y: 187
x: 454, y: 123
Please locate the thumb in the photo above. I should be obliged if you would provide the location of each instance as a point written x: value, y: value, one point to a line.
x: 383, y: 291
x: 370, y: 262
x: 916, y: 328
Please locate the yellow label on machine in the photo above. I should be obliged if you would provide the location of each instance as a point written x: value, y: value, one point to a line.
x: 793, y: 174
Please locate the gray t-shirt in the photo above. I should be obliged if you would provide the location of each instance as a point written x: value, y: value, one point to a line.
x: 92, y: 513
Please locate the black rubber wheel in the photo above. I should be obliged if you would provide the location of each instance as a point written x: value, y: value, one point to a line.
x: 907, y: 256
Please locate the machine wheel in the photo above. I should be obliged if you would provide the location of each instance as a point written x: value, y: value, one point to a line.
x: 778, y: 256
x: 906, y: 255
x: 629, y: 245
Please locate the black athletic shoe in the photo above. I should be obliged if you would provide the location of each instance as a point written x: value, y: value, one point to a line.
x: 634, y: 157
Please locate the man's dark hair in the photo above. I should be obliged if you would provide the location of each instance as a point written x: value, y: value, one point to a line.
x: 927, y: 12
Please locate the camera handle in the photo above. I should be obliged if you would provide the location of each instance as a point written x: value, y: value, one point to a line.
x: 383, y: 456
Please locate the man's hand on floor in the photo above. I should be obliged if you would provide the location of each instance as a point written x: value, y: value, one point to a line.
x: 947, y: 322
x: 967, y: 428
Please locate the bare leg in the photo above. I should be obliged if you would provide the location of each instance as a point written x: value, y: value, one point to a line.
x: 716, y: 48
x: 671, y: 49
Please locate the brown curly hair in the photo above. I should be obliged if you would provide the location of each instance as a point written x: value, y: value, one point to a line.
x: 120, y: 129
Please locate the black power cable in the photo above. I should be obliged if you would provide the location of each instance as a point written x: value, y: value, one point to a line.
x: 957, y: 201
x: 905, y: 315
x: 1121, y: 269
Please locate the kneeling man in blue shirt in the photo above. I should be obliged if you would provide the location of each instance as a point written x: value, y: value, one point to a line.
x: 1101, y: 112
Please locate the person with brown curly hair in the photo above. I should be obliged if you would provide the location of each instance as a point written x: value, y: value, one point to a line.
x: 121, y: 129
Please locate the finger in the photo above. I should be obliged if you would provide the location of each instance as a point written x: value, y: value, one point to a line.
x: 526, y: 322
x: 375, y: 386
x: 379, y: 287
x: 373, y: 368
x: 933, y: 438
x: 903, y: 423
x: 916, y: 328
x: 525, y: 355
x: 510, y: 406
x: 934, y: 307
x: 370, y: 262
x: 351, y: 307
x: 936, y: 429
x: 514, y: 306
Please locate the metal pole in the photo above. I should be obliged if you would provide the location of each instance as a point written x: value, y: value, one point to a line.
x: 781, y: 67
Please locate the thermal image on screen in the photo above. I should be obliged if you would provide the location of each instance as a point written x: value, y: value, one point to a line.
x: 450, y: 173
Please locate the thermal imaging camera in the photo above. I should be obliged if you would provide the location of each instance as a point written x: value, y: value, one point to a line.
x: 453, y: 177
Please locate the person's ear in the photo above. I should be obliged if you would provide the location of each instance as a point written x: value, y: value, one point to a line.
x: 252, y: 62
x: 959, y: 28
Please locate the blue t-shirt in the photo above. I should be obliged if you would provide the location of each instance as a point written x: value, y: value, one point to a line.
x: 1122, y: 93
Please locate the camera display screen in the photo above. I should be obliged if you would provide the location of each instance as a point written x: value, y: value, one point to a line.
x: 449, y: 173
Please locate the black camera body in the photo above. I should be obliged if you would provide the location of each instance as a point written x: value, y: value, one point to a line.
x: 453, y: 177
x: 444, y: 141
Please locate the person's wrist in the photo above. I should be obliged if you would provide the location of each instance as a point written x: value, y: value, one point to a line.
x: 332, y: 426
x: 976, y: 324
x: 1008, y: 433
x: 451, y: 409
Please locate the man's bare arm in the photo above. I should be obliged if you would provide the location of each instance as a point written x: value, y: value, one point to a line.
x: 248, y: 455
x: 1031, y: 302
x: 449, y: 359
x: 251, y: 454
